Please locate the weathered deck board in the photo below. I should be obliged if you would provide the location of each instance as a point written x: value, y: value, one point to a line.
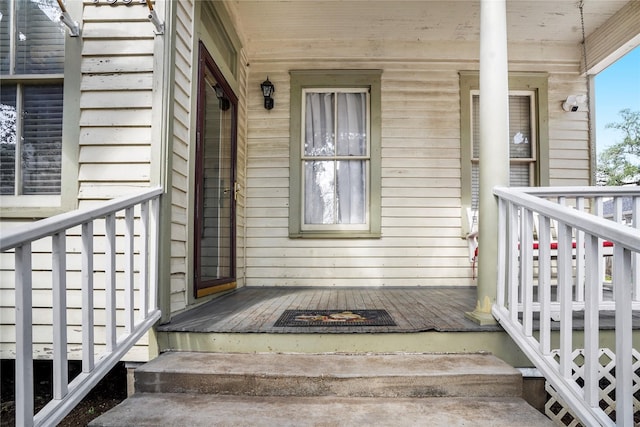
x: 256, y: 309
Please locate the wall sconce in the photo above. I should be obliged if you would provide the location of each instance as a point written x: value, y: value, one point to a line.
x: 223, y: 101
x: 267, y: 90
x: 573, y: 102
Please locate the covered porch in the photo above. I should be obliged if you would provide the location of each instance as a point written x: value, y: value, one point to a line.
x: 413, y: 309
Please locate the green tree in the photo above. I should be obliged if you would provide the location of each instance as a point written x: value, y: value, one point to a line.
x: 620, y: 163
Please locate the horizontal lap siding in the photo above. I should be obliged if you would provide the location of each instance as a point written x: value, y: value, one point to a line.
x: 420, y: 242
x: 115, y: 101
x: 114, y: 158
x: 569, y: 160
x: 184, y: 93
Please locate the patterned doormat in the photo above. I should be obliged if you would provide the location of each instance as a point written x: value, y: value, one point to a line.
x: 335, y: 318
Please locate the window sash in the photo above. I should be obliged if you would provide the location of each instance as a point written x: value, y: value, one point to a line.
x: 335, y: 160
x: 32, y: 65
x: 523, y: 141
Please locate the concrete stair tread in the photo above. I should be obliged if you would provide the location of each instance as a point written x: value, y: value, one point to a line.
x: 363, y: 375
x: 335, y: 365
x: 182, y: 409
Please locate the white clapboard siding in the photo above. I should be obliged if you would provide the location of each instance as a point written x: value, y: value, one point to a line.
x: 114, y: 158
x: 241, y: 170
x: 568, y: 133
x: 421, y: 181
x: 185, y: 92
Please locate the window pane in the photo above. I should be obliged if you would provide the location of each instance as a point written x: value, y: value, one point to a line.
x: 475, y: 186
x: 319, y: 136
x: 520, y: 127
x: 475, y: 131
x: 352, y: 124
x: 351, y: 187
x: 519, y: 175
x: 42, y: 142
x: 319, y: 194
x: 8, y: 135
x: 39, y: 38
x: 4, y: 37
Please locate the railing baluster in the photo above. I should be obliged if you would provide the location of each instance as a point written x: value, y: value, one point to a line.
x: 602, y: 263
x: 502, y: 254
x: 144, y: 260
x: 565, y: 291
x: 513, y: 262
x: 88, y: 344
x: 526, y: 269
x: 624, y: 347
x: 635, y: 260
x: 128, y: 271
x: 591, y: 323
x: 580, y: 265
x: 24, y: 334
x: 154, y: 230
x: 544, y: 283
x: 110, y: 286
x: 59, y: 284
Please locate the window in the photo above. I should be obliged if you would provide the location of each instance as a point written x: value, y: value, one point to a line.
x: 31, y: 111
x: 522, y: 141
x: 335, y: 154
x: 528, y: 133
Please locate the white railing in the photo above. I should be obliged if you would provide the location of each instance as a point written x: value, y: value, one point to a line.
x: 531, y: 302
x: 138, y: 216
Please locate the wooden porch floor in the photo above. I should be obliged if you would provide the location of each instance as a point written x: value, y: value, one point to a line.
x: 256, y: 309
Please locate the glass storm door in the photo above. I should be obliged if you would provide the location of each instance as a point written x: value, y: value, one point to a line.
x: 215, y: 181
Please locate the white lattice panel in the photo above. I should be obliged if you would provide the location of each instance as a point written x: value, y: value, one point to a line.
x: 562, y: 415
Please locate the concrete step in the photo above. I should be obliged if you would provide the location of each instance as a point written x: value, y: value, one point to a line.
x: 340, y: 375
x: 188, y: 409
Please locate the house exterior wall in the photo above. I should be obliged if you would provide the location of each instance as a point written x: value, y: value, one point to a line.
x: 119, y: 152
x: 116, y: 144
x: 183, y: 121
x: 190, y: 29
x: 421, y: 242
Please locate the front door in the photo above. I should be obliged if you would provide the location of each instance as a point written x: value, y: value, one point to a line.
x: 215, y: 181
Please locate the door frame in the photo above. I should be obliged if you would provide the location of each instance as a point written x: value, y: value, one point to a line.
x: 207, y: 64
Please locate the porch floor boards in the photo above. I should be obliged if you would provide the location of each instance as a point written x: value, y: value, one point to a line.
x: 256, y: 309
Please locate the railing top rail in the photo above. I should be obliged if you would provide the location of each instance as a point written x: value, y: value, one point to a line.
x: 600, y: 227
x: 58, y: 223
x: 581, y: 191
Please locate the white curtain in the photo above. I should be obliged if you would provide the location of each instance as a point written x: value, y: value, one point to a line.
x: 335, y: 186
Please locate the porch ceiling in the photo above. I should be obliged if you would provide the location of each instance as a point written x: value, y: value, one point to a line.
x: 269, y: 22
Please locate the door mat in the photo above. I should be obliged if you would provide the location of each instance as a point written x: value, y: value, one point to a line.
x: 335, y: 318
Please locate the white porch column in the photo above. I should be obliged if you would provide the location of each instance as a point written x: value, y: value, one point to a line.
x: 494, y: 147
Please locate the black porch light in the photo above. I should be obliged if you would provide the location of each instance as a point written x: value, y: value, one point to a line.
x: 223, y: 101
x: 267, y: 90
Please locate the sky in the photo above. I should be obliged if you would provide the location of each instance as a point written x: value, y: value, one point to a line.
x: 617, y: 88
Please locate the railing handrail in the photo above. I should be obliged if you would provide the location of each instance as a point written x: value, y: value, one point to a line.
x: 597, y: 226
x: 580, y: 191
x: 52, y: 225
